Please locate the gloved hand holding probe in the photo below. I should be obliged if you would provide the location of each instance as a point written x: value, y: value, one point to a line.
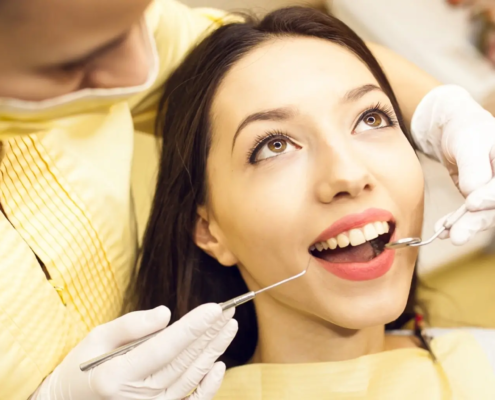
x: 169, y: 366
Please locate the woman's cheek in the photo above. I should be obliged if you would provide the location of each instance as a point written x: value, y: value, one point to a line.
x: 267, y: 203
x: 399, y: 172
x: 274, y: 186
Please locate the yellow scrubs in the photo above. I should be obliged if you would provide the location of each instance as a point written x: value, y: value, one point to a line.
x: 65, y: 189
x: 463, y: 371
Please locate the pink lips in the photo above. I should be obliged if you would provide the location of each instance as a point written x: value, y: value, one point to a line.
x: 373, y: 269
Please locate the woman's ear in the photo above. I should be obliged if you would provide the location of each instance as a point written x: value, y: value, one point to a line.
x: 211, y: 243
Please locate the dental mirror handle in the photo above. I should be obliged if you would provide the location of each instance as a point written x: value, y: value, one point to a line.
x: 456, y: 216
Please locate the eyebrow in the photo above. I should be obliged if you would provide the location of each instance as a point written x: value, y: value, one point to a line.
x: 276, y: 114
x: 359, y: 92
x: 285, y: 113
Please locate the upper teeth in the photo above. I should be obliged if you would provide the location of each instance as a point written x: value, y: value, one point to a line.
x: 354, y: 237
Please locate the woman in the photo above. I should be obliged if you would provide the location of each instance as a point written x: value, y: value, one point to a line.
x: 284, y: 144
x: 70, y: 103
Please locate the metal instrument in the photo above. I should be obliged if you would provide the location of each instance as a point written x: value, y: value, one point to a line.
x: 235, y: 302
x: 416, y: 242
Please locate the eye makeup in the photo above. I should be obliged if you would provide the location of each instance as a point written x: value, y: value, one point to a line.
x: 263, y: 139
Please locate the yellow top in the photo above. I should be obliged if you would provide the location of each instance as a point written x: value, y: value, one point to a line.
x: 462, y: 372
x: 65, y: 189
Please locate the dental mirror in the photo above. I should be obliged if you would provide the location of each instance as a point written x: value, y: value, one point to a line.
x: 417, y: 242
x: 404, y: 242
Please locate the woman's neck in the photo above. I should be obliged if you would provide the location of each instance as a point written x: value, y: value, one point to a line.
x: 288, y: 336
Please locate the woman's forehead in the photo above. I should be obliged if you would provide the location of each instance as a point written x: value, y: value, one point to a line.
x: 290, y: 71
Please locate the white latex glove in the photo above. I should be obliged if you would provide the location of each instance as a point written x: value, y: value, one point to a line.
x: 168, y: 366
x: 451, y: 127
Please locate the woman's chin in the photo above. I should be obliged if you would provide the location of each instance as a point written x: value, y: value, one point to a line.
x: 371, y: 314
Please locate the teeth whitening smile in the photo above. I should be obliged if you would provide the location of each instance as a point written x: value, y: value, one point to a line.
x: 358, y: 245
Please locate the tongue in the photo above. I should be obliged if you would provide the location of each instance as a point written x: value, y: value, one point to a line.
x: 350, y: 254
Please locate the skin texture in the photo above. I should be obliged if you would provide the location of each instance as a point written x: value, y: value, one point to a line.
x: 56, y: 47
x: 264, y: 217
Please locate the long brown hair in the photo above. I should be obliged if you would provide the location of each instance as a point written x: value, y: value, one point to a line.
x: 173, y: 270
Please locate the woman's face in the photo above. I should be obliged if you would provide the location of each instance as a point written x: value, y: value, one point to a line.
x: 307, y: 154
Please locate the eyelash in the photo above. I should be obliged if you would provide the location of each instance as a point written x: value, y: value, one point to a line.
x: 386, y: 111
x: 261, y: 140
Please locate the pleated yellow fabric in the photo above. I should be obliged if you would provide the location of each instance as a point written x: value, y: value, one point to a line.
x: 65, y: 190
x: 462, y: 372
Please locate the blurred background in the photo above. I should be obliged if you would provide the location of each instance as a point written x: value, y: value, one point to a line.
x: 453, y: 40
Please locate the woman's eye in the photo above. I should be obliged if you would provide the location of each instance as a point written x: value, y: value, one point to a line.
x: 273, y: 148
x: 372, y: 120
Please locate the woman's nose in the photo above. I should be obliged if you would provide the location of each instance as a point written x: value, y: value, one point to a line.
x: 342, y: 174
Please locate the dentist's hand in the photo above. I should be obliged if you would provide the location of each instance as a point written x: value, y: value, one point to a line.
x: 450, y: 126
x: 168, y: 366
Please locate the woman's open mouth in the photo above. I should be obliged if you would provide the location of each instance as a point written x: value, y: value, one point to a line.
x: 359, y: 253
x: 356, y: 245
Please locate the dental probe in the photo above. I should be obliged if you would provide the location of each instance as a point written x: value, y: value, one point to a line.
x: 236, y: 301
x: 244, y: 298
